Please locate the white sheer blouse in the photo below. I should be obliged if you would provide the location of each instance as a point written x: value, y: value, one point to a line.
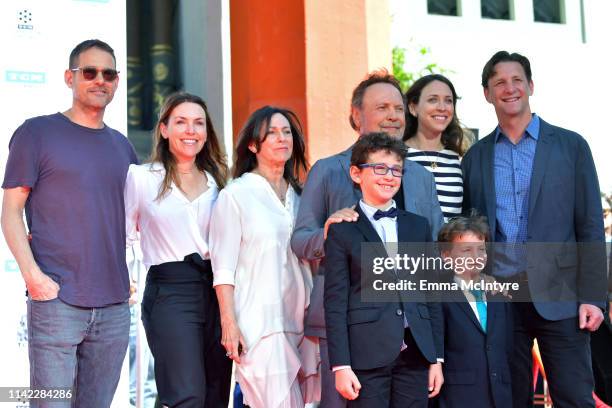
x: 172, y: 227
x: 249, y: 234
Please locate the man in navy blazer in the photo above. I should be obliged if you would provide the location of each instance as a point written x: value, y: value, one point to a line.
x: 537, y: 184
x: 385, y: 347
x: 377, y: 105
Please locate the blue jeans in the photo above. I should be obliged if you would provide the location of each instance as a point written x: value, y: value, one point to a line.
x: 78, y: 348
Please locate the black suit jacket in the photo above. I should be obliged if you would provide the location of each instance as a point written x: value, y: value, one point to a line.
x: 564, y: 209
x: 476, y: 364
x: 367, y: 335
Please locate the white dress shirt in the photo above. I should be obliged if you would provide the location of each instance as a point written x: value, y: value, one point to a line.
x: 386, y: 228
x: 471, y: 299
x: 171, y: 227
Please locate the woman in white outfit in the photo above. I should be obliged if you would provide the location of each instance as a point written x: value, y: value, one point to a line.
x: 169, y: 201
x: 263, y: 289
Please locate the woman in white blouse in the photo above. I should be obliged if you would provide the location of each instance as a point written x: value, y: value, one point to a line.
x: 435, y: 139
x: 169, y: 202
x: 263, y: 289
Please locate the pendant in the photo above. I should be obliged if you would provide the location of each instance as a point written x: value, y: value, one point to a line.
x: 433, y: 165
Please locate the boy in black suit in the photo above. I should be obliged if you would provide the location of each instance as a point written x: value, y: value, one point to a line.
x: 383, y: 353
x: 477, y: 325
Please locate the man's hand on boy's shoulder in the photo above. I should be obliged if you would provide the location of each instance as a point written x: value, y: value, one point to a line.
x: 347, y: 383
x: 490, y: 280
x: 347, y: 214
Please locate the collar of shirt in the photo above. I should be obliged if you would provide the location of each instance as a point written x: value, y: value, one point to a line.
x: 369, y: 211
x: 470, y: 297
x: 385, y: 227
x: 532, y: 130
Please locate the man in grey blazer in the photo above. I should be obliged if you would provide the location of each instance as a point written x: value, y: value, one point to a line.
x: 537, y: 185
x: 377, y: 105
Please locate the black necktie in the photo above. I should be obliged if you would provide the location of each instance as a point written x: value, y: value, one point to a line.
x: 391, y: 213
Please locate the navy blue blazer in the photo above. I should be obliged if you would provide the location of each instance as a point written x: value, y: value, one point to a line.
x: 367, y: 335
x: 564, y: 208
x: 328, y: 189
x: 476, y: 364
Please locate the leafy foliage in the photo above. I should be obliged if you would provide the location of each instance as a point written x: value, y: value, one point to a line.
x: 418, y: 61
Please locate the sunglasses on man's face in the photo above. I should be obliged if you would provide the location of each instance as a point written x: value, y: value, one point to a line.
x: 91, y: 73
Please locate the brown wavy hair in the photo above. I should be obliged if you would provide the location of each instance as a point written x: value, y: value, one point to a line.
x: 473, y: 222
x: 211, y: 158
x: 245, y: 160
x: 452, y: 137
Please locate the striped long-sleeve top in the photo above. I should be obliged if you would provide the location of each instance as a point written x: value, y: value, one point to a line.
x: 445, y: 165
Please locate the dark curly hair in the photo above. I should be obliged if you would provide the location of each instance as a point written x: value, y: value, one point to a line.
x: 375, y: 142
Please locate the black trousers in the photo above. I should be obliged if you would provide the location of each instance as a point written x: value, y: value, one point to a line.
x: 180, y: 315
x: 601, y: 347
x: 401, y: 384
x: 566, y: 355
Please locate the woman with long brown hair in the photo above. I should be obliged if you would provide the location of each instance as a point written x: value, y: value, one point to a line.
x: 169, y: 201
x: 262, y: 287
x: 435, y: 138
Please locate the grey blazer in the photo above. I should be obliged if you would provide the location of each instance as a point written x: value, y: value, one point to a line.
x: 328, y: 189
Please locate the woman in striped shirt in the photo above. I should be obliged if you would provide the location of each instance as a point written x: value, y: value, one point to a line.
x: 435, y: 138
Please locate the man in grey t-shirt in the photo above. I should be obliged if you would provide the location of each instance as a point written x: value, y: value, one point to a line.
x: 67, y: 170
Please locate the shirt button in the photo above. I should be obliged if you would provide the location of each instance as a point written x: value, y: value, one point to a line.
x: 489, y: 348
x: 399, y: 312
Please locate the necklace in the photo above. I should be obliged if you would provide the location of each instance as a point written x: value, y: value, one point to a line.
x: 279, y: 194
x: 433, y: 164
x: 191, y: 171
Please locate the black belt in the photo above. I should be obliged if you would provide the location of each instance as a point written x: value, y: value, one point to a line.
x: 193, y: 269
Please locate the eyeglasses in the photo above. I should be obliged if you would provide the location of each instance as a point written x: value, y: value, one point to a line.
x: 382, y: 169
x: 91, y: 73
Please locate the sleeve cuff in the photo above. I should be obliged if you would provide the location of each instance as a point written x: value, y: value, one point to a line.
x: 223, y: 277
x: 19, y: 183
x: 342, y: 367
x: 440, y: 360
